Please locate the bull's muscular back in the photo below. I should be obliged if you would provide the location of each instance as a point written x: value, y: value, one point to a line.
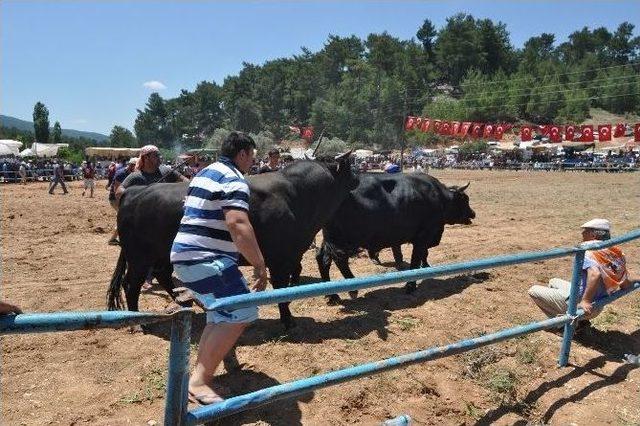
x: 387, y: 210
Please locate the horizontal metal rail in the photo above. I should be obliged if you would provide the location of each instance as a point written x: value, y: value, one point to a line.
x: 255, y: 399
x: 67, y: 321
x: 332, y: 287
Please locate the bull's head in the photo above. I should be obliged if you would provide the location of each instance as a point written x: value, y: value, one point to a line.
x: 458, y: 209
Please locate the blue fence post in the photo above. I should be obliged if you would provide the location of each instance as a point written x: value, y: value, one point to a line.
x: 175, y: 410
x: 571, y: 309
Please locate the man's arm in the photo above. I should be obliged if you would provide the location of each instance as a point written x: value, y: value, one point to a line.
x: 593, y: 281
x: 244, y: 237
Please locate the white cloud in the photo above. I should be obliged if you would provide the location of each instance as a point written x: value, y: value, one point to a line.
x: 154, y: 85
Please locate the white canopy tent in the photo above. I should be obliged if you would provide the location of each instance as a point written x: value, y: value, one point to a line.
x: 47, y: 149
x: 9, y: 147
x: 26, y: 153
x: 6, y: 150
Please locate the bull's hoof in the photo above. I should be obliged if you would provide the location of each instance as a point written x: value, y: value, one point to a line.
x: 333, y: 299
x: 409, y: 288
x: 353, y: 294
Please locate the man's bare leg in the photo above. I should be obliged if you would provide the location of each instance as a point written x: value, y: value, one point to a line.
x: 215, y: 342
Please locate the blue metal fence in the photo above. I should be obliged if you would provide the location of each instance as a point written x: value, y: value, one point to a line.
x: 176, y: 412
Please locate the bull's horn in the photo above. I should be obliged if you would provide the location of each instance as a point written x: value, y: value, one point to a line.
x: 464, y: 187
x: 343, y: 156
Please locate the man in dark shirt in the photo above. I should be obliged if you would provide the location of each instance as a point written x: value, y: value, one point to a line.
x: 274, y: 162
x: 118, y: 178
x: 58, y: 178
x: 149, y: 170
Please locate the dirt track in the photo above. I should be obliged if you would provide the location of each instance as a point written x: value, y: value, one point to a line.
x: 55, y: 257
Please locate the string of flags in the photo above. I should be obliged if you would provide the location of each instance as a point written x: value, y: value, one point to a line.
x: 555, y: 133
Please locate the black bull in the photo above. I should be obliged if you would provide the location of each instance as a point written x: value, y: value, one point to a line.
x: 286, y: 209
x: 387, y: 211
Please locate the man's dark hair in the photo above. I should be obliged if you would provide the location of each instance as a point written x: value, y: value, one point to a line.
x: 236, y: 142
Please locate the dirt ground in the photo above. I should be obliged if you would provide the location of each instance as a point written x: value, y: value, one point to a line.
x: 55, y: 258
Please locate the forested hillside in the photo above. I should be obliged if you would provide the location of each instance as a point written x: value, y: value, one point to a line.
x: 361, y: 90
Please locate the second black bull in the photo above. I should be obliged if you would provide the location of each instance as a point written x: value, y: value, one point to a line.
x: 286, y: 209
x: 389, y: 210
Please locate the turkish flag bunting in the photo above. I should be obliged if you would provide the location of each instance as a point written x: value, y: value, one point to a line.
x: 426, y: 123
x: 636, y: 132
x: 587, y: 133
x: 569, y: 132
x: 436, y: 126
x: 307, y: 133
x: 619, y: 130
x: 476, y: 130
x: 604, y: 132
x: 555, y: 133
x: 455, y: 127
x: 488, y: 131
x: 445, y: 128
x: 410, y: 123
x: 525, y: 133
x: 544, y: 130
x: 499, y: 131
x: 418, y: 123
x: 464, y: 129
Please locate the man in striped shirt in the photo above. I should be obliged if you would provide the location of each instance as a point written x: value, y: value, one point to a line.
x: 214, y: 230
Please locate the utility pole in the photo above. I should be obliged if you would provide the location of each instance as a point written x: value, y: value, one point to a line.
x: 402, y: 138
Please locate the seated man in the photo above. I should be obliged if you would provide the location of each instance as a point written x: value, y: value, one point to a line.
x: 603, y: 272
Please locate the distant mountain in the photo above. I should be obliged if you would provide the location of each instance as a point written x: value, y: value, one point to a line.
x: 6, y: 121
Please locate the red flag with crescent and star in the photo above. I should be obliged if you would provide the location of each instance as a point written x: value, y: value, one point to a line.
x: 436, y: 126
x: 476, y: 130
x: 604, y: 132
x: 410, y: 123
x: 499, y: 131
x: 636, y: 132
x: 587, y: 133
x: 445, y: 128
x: 544, y: 130
x: 488, y: 131
x: 465, y: 128
x: 426, y: 123
x: 619, y: 130
x: 307, y: 133
x: 525, y: 133
x: 555, y: 133
x: 569, y: 132
x: 455, y: 127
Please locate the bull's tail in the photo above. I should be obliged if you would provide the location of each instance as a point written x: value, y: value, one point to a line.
x: 114, y: 294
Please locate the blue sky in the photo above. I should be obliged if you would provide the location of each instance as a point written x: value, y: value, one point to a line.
x: 88, y: 61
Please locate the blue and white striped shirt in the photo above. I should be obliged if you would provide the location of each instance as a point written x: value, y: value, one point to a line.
x: 203, y: 233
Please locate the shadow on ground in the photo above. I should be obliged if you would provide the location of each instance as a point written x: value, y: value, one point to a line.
x: 612, y: 344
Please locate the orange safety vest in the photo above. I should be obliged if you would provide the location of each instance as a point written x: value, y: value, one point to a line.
x: 612, y: 266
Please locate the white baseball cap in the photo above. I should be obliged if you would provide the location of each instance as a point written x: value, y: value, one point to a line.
x: 602, y: 224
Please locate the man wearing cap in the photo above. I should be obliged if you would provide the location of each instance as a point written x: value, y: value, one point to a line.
x: 149, y: 170
x: 118, y: 178
x: 214, y: 230
x: 604, y: 271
